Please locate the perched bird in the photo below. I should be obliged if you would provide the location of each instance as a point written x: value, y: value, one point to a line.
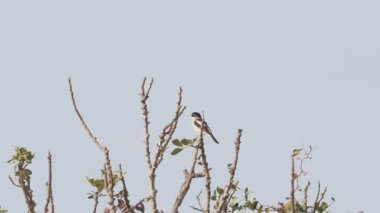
x: 197, y: 125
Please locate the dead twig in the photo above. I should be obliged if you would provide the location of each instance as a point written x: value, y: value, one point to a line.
x: 49, y: 199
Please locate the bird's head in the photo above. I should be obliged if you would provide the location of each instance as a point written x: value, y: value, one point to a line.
x: 196, y: 115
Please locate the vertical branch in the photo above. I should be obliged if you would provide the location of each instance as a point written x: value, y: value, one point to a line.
x: 96, y: 202
x: 125, y: 191
x: 28, y: 193
x: 108, y: 168
x: 109, y: 181
x: 205, y: 168
x: 292, y: 183
x: 152, y: 176
x: 305, y: 195
x: 49, y: 199
x: 227, y: 191
x: 186, y: 183
x: 144, y: 99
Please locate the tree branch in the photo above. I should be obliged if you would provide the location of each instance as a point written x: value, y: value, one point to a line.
x: 232, y: 168
x: 108, y: 168
x: 144, y: 99
x: 186, y: 183
x: 164, y: 140
x: 205, y: 168
x: 49, y: 199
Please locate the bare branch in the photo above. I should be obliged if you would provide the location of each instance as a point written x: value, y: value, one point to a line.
x: 186, y: 183
x: 108, y: 168
x: 144, y: 99
x: 305, y: 195
x: 93, y: 138
x: 227, y: 189
x: 205, y: 169
x: 292, y: 183
x: 125, y: 191
x: 168, y: 131
x: 165, y: 138
x: 49, y: 199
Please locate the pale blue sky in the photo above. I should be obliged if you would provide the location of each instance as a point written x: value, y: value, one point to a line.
x: 290, y: 73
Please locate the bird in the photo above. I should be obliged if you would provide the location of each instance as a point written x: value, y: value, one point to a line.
x: 197, y: 125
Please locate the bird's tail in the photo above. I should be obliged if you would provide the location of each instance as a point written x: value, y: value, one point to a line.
x: 212, y: 136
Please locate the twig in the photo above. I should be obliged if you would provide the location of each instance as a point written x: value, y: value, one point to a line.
x: 168, y: 131
x: 13, y: 183
x: 108, y: 168
x: 49, y: 199
x: 97, y: 195
x: 186, y: 183
x: 92, y: 136
x: 144, y: 99
x: 125, y: 191
x: 305, y: 195
x: 292, y: 183
x: 229, y: 186
x: 320, y: 196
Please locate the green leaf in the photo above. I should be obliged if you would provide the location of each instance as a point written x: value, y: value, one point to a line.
x: 213, y: 197
x: 323, y: 207
x: 97, y: 183
x: 176, y: 151
x: 234, y: 199
x: 296, y: 152
x: 176, y: 142
x: 219, y: 190
x: 186, y: 142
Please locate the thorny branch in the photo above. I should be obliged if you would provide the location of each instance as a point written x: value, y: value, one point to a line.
x: 227, y: 190
x: 164, y: 140
x: 144, y: 98
x: 49, y: 199
x: 108, y: 168
x: 205, y: 168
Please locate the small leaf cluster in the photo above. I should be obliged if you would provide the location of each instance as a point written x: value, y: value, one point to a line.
x: 182, y: 144
x: 21, y: 159
x: 301, y: 207
x: 99, y: 185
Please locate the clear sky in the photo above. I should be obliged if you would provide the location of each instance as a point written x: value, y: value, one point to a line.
x: 290, y: 73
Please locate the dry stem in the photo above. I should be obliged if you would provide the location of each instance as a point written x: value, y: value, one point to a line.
x: 49, y: 199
